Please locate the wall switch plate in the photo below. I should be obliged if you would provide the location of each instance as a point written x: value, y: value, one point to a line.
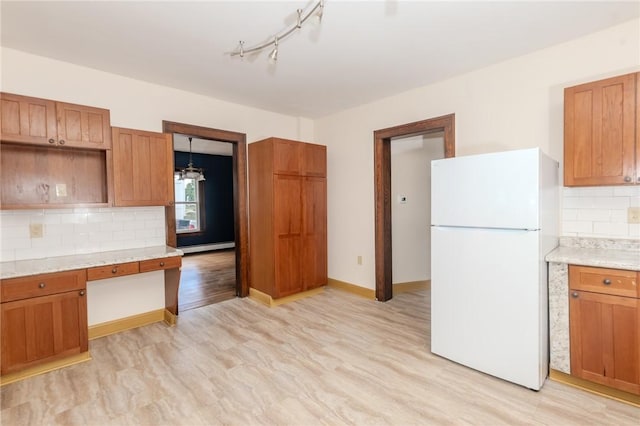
x: 35, y: 230
x: 61, y: 190
x: 633, y: 215
x: 359, y: 260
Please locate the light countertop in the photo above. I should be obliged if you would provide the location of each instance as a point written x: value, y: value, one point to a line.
x: 597, y: 257
x: 23, y: 268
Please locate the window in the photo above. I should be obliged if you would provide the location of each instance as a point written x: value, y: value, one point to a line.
x: 187, y: 205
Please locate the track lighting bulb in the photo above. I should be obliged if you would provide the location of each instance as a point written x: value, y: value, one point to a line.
x: 299, y: 21
x: 241, y: 49
x: 320, y: 10
x: 274, y: 53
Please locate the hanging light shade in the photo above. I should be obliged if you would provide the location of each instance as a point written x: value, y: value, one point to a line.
x: 191, y: 172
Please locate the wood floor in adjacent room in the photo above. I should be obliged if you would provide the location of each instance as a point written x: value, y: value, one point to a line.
x: 331, y: 359
x: 207, y: 278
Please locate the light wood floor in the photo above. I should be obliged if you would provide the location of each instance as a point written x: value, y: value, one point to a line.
x: 207, y: 278
x: 331, y: 359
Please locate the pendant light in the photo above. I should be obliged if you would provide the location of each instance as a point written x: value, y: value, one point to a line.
x: 191, y: 172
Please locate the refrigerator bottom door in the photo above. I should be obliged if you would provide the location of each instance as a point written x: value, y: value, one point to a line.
x: 488, y: 302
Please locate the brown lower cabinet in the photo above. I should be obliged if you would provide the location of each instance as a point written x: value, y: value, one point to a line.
x: 44, y: 318
x: 604, y: 315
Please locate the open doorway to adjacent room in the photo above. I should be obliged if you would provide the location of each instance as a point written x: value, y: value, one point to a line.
x: 203, y: 184
x: 208, y: 219
x: 411, y: 158
x: 444, y: 128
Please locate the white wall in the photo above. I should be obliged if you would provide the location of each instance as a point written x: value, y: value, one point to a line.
x: 510, y: 105
x: 410, y: 221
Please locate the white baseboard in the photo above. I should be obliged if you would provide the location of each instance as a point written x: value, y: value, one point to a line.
x: 207, y: 247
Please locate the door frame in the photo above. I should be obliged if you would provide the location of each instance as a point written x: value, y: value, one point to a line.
x: 240, y: 200
x: 382, y: 176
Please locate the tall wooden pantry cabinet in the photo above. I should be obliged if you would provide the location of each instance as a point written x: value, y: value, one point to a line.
x: 287, y: 216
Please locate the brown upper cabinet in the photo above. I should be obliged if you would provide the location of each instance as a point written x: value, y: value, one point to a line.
x: 602, y: 132
x: 142, y: 168
x: 37, y: 121
x: 297, y: 158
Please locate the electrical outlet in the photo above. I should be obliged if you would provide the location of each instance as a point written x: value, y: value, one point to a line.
x: 633, y: 215
x: 35, y: 230
x: 359, y: 260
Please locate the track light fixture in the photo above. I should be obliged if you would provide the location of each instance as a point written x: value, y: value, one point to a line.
x: 317, y: 9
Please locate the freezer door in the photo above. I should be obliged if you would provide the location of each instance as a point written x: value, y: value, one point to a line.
x: 497, y: 190
x: 488, y: 302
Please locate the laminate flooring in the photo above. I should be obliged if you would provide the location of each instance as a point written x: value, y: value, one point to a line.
x: 330, y: 359
x: 207, y: 278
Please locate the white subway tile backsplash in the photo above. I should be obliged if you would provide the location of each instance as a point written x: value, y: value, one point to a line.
x: 594, y: 214
x: 580, y: 227
x: 610, y: 229
x: 79, y: 230
x: 626, y: 191
x: 599, y: 211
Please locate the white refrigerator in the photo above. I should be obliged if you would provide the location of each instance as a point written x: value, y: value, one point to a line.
x: 494, y: 218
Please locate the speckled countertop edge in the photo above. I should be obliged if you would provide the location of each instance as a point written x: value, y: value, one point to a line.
x: 24, y: 268
x: 598, y: 252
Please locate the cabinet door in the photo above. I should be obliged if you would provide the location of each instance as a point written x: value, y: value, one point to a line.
x: 43, y: 329
x: 142, y: 168
x: 287, y: 216
x: 286, y: 157
x: 314, y: 160
x: 27, y: 120
x: 605, y: 339
x: 599, y: 132
x: 314, y: 225
x: 83, y: 126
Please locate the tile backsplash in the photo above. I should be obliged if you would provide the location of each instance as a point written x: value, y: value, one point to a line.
x: 599, y: 211
x: 77, y: 231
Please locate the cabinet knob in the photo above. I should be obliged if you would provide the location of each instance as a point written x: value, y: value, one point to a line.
x: 81, y: 293
x: 42, y: 285
x: 627, y: 179
x: 114, y: 271
x: 574, y: 294
x: 606, y: 281
x: 52, y: 140
x: 161, y: 263
x: 61, y: 142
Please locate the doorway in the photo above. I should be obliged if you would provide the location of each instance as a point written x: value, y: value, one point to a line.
x: 239, y: 170
x: 382, y: 176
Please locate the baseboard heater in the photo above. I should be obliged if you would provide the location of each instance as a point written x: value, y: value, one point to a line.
x: 207, y: 247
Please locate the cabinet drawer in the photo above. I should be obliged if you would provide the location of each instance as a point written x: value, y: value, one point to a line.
x: 159, y: 264
x: 42, y: 285
x: 616, y: 282
x: 111, y: 271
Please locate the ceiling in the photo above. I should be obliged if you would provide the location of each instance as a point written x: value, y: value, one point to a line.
x: 362, y: 50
